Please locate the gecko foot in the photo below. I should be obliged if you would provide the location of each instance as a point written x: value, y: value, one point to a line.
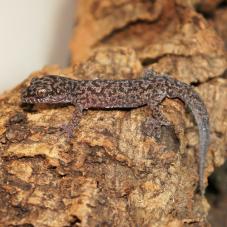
x: 68, y: 129
x: 152, y: 127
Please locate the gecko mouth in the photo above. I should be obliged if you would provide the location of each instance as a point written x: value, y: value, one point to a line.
x: 32, y: 100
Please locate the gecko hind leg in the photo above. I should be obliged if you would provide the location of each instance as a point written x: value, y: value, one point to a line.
x: 148, y: 74
x: 152, y: 126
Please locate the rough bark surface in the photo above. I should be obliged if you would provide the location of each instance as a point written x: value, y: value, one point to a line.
x: 219, y: 21
x: 207, y: 6
x: 168, y: 35
x: 111, y: 174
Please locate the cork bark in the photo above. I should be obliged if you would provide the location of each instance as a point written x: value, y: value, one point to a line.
x: 110, y: 173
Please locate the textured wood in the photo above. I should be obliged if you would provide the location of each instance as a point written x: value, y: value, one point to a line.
x: 219, y: 21
x: 168, y: 35
x: 111, y: 174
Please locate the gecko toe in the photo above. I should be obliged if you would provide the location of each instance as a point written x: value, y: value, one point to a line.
x: 68, y: 130
x: 151, y: 127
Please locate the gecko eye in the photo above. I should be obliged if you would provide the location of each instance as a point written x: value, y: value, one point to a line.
x: 58, y: 91
x: 41, y: 93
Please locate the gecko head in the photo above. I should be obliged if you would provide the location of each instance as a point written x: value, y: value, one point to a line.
x: 48, y: 89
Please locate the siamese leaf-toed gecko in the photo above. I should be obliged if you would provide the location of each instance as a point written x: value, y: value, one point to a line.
x: 150, y: 90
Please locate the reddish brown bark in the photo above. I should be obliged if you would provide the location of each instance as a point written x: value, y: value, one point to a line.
x: 111, y: 174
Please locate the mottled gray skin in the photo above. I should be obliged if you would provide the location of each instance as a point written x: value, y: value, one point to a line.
x: 150, y: 90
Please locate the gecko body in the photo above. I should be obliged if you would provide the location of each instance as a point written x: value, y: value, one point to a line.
x: 150, y: 90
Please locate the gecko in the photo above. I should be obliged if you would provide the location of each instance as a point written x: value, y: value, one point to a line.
x: 150, y: 90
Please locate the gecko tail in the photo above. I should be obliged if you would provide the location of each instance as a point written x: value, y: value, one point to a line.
x: 203, y: 126
x: 192, y: 99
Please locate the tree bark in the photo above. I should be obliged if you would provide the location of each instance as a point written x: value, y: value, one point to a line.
x: 110, y: 173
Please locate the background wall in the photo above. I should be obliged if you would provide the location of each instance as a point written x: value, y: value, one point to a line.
x: 33, y: 34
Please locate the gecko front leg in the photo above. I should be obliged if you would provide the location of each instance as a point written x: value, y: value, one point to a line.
x: 69, y: 128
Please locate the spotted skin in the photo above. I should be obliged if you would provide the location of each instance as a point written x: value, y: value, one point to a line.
x: 150, y: 90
